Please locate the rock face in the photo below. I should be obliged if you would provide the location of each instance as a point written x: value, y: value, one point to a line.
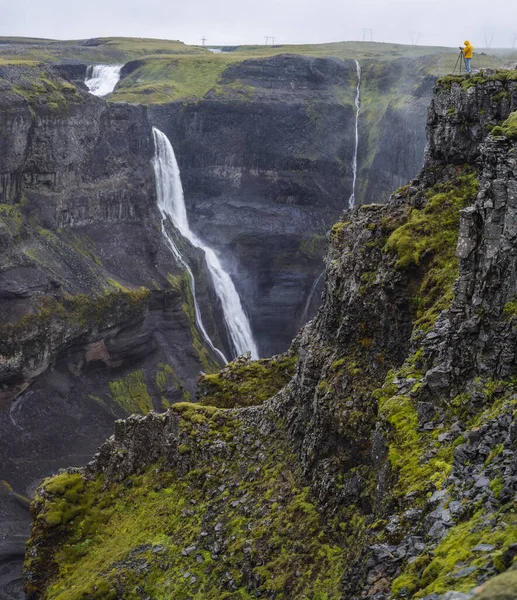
x: 266, y: 163
x: 385, y: 468
x: 80, y: 248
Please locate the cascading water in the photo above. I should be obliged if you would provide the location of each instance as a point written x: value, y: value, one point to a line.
x: 171, y: 203
x: 102, y: 79
x: 310, y: 297
x: 351, y: 201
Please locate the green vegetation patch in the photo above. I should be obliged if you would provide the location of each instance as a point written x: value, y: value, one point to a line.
x: 407, y: 444
x: 233, y: 525
x: 77, y: 311
x: 131, y: 394
x: 428, y: 241
x: 438, y: 572
x: 42, y: 88
x: 246, y: 384
x: 509, y: 126
x: 169, y: 78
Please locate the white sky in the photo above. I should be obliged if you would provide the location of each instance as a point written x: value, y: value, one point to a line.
x: 439, y: 22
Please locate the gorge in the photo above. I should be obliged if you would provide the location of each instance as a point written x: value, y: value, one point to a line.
x: 384, y: 466
x: 112, y: 305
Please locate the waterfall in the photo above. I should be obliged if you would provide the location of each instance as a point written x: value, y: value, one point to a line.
x: 351, y: 201
x: 314, y: 288
x: 102, y: 79
x: 171, y: 203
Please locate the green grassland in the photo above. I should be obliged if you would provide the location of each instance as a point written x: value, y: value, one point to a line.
x: 170, y: 70
x: 170, y: 77
x: 111, y: 50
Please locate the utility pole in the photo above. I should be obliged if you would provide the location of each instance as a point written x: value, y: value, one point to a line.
x: 415, y: 36
x: 203, y: 40
x: 514, y: 41
x: 270, y: 37
x: 367, y: 33
x: 489, y: 40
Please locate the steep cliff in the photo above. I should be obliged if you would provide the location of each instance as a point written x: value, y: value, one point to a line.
x: 266, y: 155
x: 96, y: 318
x: 385, y: 468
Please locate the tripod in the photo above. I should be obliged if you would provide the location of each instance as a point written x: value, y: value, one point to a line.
x: 460, y: 64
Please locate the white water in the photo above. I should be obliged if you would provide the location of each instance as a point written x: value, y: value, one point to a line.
x: 310, y: 296
x: 171, y: 202
x: 351, y: 201
x: 102, y: 79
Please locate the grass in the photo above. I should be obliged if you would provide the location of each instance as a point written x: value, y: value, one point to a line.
x: 166, y: 79
x: 100, y: 50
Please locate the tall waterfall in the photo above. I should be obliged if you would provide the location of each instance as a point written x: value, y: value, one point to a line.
x: 351, y: 201
x: 171, y: 202
x: 102, y: 79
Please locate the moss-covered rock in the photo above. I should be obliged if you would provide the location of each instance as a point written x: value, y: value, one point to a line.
x: 244, y: 382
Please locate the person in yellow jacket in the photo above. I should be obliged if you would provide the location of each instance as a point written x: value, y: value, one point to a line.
x: 467, y: 53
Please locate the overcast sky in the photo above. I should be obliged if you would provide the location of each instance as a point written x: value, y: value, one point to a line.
x: 439, y: 22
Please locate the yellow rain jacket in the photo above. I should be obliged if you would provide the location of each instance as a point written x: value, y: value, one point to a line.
x: 468, y: 50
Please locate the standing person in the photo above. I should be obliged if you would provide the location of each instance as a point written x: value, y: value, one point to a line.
x: 467, y: 53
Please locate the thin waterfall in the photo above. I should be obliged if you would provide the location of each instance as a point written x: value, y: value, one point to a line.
x: 310, y: 296
x: 171, y: 203
x: 102, y: 79
x: 351, y: 201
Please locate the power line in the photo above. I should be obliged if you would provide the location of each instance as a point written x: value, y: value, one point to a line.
x: 270, y: 37
x: 203, y: 40
x: 367, y: 33
x: 415, y: 36
x: 489, y: 40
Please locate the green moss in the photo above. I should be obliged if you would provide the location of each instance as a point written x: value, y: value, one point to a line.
x: 428, y: 241
x: 154, y: 517
x: 510, y: 309
x: 509, y: 126
x: 42, y: 89
x: 456, y: 551
x: 407, y: 447
x: 503, y: 587
x: 11, y: 219
x: 67, y: 489
x: 75, y: 312
x: 314, y: 246
x: 246, y: 384
x: 338, y: 227
x: 496, y: 485
x: 131, y: 394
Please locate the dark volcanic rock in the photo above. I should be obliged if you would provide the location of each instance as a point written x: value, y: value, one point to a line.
x: 266, y: 165
x: 80, y: 242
